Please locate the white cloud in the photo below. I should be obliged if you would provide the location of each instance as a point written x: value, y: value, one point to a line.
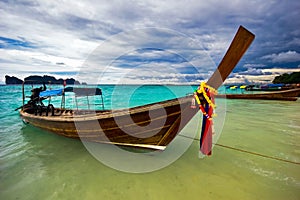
x: 254, y: 65
x: 252, y: 71
x: 281, y: 70
x: 283, y: 57
x: 259, y: 75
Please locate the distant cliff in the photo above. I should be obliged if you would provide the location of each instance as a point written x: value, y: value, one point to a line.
x: 12, y: 80
x: 39, y: 80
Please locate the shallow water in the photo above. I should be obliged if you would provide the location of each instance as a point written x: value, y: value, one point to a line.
x: 35, y: 164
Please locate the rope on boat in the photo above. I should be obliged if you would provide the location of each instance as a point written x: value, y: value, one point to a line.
x: 248, y: 152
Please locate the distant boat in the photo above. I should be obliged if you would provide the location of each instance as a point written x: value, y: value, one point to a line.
x: 131, y: 127
x: 268, y: 87
x: 287, y: 95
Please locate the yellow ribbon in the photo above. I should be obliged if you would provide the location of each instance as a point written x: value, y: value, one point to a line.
x: 202, y: 90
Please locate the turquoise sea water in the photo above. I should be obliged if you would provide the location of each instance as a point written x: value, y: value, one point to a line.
x: 35, y: 164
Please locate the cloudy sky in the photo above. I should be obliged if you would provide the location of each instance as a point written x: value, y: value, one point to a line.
x: 147, y: 41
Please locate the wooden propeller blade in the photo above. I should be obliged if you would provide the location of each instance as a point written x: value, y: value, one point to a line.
x: 240, y: 43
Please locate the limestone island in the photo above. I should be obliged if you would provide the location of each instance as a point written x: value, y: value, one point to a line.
x: 12, y: 80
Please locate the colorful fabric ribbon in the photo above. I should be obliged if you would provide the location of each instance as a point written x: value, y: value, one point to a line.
x: 204, y: 96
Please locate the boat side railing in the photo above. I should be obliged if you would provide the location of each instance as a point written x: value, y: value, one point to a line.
x: 85, y: 93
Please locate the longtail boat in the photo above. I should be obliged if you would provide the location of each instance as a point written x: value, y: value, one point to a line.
x: 134, y: 127
x: 284, y: 95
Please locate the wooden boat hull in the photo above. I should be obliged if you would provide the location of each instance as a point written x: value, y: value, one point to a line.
x: 286, y: 95
x: 151, y: 126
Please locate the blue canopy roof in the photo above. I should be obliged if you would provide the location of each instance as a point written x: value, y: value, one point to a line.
x: 77, y: 91
x: 49, y: 93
